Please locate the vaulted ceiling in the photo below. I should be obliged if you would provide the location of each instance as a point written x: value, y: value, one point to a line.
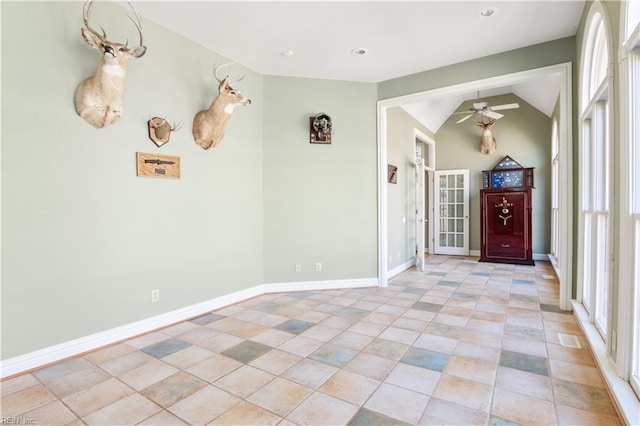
x: 316, y: 38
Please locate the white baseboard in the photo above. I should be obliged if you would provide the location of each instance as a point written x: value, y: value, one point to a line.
x: 621, y: 392
x: 51, y: 354
x: 401, y: 268
x: 474, y: 253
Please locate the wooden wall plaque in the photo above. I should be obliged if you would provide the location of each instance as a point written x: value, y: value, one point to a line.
x: 156, y: 165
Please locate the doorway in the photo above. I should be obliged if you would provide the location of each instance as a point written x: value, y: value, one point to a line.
x: 565, y: 238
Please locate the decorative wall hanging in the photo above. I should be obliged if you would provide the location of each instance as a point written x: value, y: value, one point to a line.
x: 392, y: 173
x: 320, y: 128
x: 209, y: 124
x: 160, y: 130
x: 98, y: 99
x: 156, y: 165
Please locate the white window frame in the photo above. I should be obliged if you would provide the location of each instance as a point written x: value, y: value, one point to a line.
x: 555, y: 196
x: 595, y: 224
x: 628, y: 348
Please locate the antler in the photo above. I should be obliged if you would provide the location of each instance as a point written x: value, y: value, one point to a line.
x: 484, y: 125
x: 86, y: 13
x: 137, y: 23
x: 215, y: 73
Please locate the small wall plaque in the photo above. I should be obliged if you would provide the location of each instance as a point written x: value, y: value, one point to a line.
x: 392, y: 173
x: 156, y: 165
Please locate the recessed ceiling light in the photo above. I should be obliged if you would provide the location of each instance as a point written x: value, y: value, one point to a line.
x: 359, y: 52
x: 487, y: 12
x: 288, y: 52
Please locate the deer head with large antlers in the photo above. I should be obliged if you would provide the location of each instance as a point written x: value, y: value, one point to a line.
x: 209, y: 124
x: 98, y: 99
x: 488, y: 142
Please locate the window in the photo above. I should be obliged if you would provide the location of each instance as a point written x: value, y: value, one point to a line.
x: 629, y: 310
x: 595, y: 175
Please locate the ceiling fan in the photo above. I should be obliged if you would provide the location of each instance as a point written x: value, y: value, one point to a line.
x: 484, y: 109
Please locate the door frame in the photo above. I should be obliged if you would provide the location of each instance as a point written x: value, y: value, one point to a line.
x: 565, y: 124
x: 428, y: 170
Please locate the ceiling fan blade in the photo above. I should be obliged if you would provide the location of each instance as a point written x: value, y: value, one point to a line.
x: 464, y: 118
x: 494, y: 115
x: 505, y: 106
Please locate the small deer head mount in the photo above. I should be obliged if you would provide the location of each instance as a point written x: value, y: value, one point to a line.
x: 488, y: 142
x: 98, y: 99
x: 209, y: 124
x: 160, y: 130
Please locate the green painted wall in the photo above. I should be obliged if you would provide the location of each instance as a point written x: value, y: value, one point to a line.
x: 84, y: 241
x: 524, y: 134
x: 320, y: 201
x: 401, y: 152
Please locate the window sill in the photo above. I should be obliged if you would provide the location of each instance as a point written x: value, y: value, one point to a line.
x: 622, y: 394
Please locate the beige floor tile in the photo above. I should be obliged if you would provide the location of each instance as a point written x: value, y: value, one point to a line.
x: 280, y: 396
x: 16, y: 384
x: 575, y: 416
x: 484, y: 353
x: 436, y: 343
x: 244, y: 381
x: 323, y: 409
x: 128, y: 362
x: 198, y: 335
x: 53, y: 413
x: 272, y: 337
x: 26, y: 400
x: 310, y: 373
x: 441, y: 412
x: 386, y: 348
x: 524, y: 383
x: 350, y: 387
x: 180, y: 328
x: 204, y: 406
x: 482, y: 338
x: 472, y: 369
x: 300, y: 345
x: 148, y: 374
x: 370, y: 365
x: 127, y: 411
x: 187, y: 357
x: 476, y: 395
x: 577, y: 373
x: 213, y: 368
x: 525, y: 346
x: 220, y: 342
x: 103, y: 355
x: 399, y: 403
x: 351, y: 340
x: 147, y: 339
x: 99, y: 396
x: 276, y: 361
x: 399, y: 335
x: 414, y: 378
x: 163, y: 418
x: 245, y: 413
x: 522, y: 409
x: 321, y: 333
x: 368, y: 328
x: 576, y: 356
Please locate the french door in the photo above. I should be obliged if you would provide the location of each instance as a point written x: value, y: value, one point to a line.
x: 452, y: 212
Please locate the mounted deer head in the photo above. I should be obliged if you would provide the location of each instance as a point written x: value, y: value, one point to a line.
x: 488, y: 142
x: 209, y: 124
x: 98, y: 99
x: 160, y: 130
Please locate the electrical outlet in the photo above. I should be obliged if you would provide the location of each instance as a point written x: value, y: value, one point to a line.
x: 155, y: 295
x: 318, y: 266
x: 298, y: 267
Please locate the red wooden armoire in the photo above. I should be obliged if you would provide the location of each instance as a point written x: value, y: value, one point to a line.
x: 505, y: 208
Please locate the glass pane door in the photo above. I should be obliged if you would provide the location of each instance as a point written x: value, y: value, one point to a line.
x: 452, y: 212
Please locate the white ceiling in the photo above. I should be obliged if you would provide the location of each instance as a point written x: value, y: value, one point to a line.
x: 401, y: 37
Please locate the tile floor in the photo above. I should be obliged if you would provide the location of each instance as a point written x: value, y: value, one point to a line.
x: 461, y: 343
